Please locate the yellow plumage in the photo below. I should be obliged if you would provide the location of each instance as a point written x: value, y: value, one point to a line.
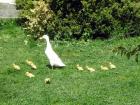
x: 47, y: 80
x: 79, y: 67
x: 90, y: 69
x: 104, y: 67
x: 112, y: 66
x: 30, y: 63
x: 30, y: 75
x: 16, y: 67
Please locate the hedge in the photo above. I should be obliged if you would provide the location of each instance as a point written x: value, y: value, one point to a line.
x: 84, y: 19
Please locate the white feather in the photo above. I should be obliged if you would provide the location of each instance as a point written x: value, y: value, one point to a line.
x: 54, y: 59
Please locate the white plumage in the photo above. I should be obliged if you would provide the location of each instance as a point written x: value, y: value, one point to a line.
x: 54, y: 59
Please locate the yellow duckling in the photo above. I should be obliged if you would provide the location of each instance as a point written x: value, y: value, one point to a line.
x: 33, y: 66
x: 30, y: 75
x: 25, y: 42
x: 30, y: 63
x: 90, y: 69
x: 112, y: 66
x: 104, y: 67
x: 16, y: 67
x: 47, y: 80
x: 79, y: 67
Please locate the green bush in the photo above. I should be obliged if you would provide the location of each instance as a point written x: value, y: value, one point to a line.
x: 97, y: 18
x: 128, y: 52
x: 38, y: 18
x: 24, y: 4
x: 88, y: 19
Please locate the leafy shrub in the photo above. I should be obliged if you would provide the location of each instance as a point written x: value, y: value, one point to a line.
x: 96, y: 18
x: 129, y: 52
x: 85, y: 19
x: 38, y: 18
x: 24, y: 4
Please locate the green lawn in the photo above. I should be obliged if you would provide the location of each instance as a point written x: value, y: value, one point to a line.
x: 120, y: 86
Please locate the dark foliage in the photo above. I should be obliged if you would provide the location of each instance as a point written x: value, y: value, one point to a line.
x: 90, y: 19
x: 129, y: 52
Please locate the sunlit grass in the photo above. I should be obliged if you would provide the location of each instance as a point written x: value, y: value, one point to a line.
x: 68, y: 86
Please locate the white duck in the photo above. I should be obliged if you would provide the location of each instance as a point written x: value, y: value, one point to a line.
x: 54, y: 59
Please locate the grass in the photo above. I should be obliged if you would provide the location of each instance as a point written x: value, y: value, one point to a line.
x: 68, y: 85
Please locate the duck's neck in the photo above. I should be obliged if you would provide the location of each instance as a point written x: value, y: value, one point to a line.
x: 48, y: 43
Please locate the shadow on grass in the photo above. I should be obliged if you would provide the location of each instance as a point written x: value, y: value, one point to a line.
x: 54, y: 67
